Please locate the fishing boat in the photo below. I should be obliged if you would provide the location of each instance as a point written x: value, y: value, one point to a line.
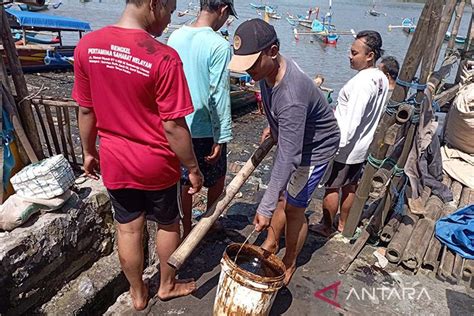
x: 373, y: 12
x: 272, y: 14
x: 458, y: 40
x: 262, y: 6
x: 326, y: 33
x: 36, y: 57
x: 408, y: 25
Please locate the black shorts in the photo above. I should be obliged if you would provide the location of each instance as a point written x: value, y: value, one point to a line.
x: 162, y: 206
x: 211, y: 173
x: 344, y: 174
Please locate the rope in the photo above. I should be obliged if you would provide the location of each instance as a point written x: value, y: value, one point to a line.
x: 398, y: 208
x: 414, y: 84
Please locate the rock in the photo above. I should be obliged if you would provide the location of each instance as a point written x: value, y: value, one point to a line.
x: 91, y: 292
x: 51, y: 249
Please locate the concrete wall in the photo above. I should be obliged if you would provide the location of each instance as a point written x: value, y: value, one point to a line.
x: 37, y: 259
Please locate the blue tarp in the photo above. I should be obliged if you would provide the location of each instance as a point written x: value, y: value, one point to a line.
x: 26, y: 19
x: 456, y: 231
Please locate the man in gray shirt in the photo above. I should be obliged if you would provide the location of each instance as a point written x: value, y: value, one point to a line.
x: 304, y: 127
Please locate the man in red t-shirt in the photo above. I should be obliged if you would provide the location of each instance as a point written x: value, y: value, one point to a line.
x: 133, y: 94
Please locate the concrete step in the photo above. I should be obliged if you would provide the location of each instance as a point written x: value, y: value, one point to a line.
x: 92, y: 292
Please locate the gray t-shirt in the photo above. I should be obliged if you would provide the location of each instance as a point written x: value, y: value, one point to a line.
x: 304, y: 125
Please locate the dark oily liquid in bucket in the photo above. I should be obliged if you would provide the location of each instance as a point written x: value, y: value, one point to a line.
x: 256, y: 266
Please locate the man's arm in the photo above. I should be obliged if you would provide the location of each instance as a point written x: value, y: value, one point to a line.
x: 291, y: 128
x: 219, y: 100
x: 88, y: 133
x: 179, y: 138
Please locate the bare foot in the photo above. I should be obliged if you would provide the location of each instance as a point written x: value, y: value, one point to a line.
x: 289, y: 274
x: 140, y: 300
x: 178, y: 289
x: 270, y: 247
x: 322, y: 230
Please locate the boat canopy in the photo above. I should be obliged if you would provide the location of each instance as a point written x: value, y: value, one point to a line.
x: 39, y: 21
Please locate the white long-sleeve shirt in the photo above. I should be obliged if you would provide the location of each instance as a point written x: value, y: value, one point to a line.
x: 360, y: 105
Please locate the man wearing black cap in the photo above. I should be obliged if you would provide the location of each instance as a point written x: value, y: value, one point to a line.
x: 205, y: 55
x: 304, y: 127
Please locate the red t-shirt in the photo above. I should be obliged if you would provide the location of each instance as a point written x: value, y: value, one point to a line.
x: 133, y: 83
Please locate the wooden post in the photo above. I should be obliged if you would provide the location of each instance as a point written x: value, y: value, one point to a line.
x: 413, y: 56
x: 457, y: 23
x: 444, y: 25
x: 24, y: 107
x: 469, y: 45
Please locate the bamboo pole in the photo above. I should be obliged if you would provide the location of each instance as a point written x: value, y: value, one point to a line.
x: 446, y: 265
x: 62, y: 135
x: 457, y: 268
x: 24, y: 106
x: 467, y: 46
x: 399, y: 242
x: 468, y: 269
x: 377, y: 148
x: 409, y: 258
x: 52, y: 129
x: 48, y: 102
x: 456, y: 189
x: 199, y: 231
x: 67, y: 125
x: 444, y: 25
x: 413, y: 57
x: 43, y: 128
x: 456, y: 24
x: 432, y: 259
x: 467, y: 196
x: 446, y: 96
x: 420, y: 239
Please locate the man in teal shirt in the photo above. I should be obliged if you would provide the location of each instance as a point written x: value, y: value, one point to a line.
x: 205, y: 55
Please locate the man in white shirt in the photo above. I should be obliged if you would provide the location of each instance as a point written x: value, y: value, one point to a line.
x: 360, y: 105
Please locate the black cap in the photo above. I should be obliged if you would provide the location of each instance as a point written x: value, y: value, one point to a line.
x: 217, y: 3
x: 250, y: 39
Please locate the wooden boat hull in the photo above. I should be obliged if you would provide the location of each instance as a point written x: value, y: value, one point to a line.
x: 43, y: 58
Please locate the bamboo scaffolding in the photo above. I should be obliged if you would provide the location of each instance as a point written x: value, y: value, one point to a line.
x: 378, y: 149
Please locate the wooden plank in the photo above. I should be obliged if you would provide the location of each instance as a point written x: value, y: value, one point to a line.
x: 43, y: 128
x: 61, y: 132
x: 52, y: 129
x: 67, y: 121
x: 457, y: 268
x: 54, y: 102
x: 76, y: 111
